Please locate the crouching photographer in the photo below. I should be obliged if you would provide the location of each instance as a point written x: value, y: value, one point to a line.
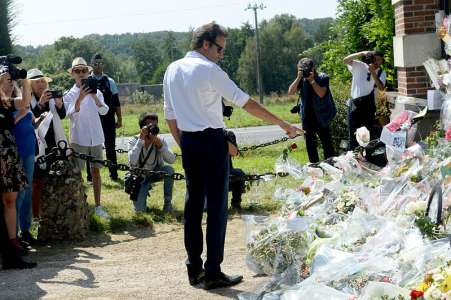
x: 149, y: 151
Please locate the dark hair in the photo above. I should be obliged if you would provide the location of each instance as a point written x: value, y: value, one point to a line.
x: 147, y: 115
x: 208, y: 32
x: 306, y: 63
x: 96, y: 56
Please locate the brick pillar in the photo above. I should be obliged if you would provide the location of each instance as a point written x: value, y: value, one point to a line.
x: 415, y: 41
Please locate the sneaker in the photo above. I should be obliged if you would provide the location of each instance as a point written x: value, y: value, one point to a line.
x: 101, y: 212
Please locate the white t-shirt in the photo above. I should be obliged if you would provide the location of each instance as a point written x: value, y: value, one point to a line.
x: 360, y: 85
x: 193, y: 89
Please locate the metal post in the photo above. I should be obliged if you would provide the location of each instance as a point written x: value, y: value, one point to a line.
x: 259, y: 79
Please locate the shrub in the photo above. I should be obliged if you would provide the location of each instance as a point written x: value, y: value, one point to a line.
x: 339, y: 127
x: 141, y: 97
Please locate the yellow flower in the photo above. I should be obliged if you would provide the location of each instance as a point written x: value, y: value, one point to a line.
x: 422, y: 287
x: 446, y: 284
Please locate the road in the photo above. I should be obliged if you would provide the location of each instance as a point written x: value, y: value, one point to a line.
x: 245, y: 136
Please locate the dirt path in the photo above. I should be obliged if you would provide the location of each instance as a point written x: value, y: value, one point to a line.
x: 138, y: 265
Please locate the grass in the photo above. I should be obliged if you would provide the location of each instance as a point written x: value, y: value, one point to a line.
x: 258, y: 200
x: 240, y: 118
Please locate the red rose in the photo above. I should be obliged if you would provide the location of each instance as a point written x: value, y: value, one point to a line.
x: 293, y: 146
x: 414, y: 294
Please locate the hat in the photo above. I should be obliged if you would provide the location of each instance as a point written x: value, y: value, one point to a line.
x: 79, y: 61
x: 35, y: 74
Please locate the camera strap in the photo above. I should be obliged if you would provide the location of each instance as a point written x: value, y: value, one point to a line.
x: 141, y: 154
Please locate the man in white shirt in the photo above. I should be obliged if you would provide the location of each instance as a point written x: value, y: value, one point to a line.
x: 366, y: 75
x: 86, y: 135
x: 193, y: 87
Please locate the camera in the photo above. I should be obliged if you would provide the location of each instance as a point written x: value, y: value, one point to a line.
x: 295, y: 109
x: 306, y: 70
x: 368, y: 58
x: 8, y: 62
x: 91, y: 83
x: 132, y: 185
x: 56, y: 93
x: 152, y: 129
x: 227, y: 111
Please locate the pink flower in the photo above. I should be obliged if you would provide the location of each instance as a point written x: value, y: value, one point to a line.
x: 448, y: 135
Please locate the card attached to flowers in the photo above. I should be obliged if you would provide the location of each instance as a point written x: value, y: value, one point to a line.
x: 396, y: 140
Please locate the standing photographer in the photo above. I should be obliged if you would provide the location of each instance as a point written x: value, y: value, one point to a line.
x: 113, y: 118
x: 12, y: 176
x: 48, y: 109
x: 149, y: 151
x: 366, y: 76
x: 84, y: 104
x: 317, y: 108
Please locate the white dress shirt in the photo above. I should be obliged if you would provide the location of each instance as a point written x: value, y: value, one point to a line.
x: 360, y: 86
x: 193, y: 89
x: 85, y: 126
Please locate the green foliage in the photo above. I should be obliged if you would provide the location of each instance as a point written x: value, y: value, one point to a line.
x: 97, y: 224
x: 6, y: 24
x: 360, y: 25
x: 340, y: 90
x: 141, y: 97
x: 147, y: 59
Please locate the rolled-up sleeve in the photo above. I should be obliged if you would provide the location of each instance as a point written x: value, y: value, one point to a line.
x: 69, y: 102
x: 102, y: 112
x: 221, y: 82
x: 135, y: 146
x: 169, y: 113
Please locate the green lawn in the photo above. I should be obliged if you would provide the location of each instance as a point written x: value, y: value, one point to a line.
x: 259, y: 199
x: 240, y: 118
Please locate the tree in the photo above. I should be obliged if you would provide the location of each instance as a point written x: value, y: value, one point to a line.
x: 282, y: 39
x: 147, y: 59
x: 170, y: 50
x: 6, y: 24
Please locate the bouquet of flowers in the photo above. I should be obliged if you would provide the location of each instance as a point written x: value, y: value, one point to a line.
x: 346, y: 202
x: 435, y: 286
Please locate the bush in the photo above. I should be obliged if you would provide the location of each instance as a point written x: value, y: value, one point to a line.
x: 339, y: 127
x: 141, y: 97
x: 97, y: 224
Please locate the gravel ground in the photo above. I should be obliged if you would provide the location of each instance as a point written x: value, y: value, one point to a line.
x: 143, y: 264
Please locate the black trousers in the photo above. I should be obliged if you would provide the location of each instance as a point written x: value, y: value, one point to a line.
x: 109, y: 132
x: 313, y: 128
x: 206, y: 165
x: 236, y: 186
x: 361, y: 112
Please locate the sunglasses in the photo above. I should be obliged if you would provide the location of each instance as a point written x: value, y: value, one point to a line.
x: 220, y: 48
x: 80, y: 71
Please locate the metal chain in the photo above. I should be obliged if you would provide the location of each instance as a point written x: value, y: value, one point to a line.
x: 62, y: 152
x: 244, y: 149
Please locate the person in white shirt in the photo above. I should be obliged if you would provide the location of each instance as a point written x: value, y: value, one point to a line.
x: 367, y: 74
x: 83, y: 107
x: 193, y: 87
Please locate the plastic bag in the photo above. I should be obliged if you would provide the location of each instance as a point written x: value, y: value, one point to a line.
x: 315, y: 292
x: 376, y: 290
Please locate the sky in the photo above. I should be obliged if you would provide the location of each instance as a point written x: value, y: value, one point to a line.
x: 40, y: 22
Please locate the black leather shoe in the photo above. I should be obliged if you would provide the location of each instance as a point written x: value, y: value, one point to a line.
x: 222, y: 281
x: 27, y: 237
x: 195, y: 279
x: 16, y: 262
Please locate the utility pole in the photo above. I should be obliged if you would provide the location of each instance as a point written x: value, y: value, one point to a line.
x: 259, y: 79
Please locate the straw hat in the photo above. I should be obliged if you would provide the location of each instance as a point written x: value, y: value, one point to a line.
x: 79, y: 62
x: 36, y: 74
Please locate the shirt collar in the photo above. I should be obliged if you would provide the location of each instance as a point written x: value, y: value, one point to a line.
x: 195, y: 54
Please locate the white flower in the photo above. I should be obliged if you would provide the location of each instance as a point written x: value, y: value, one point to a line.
x: 437, y: 277
x: 362, y: 136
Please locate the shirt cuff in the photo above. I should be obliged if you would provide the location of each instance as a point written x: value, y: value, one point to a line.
x: 241, y: 98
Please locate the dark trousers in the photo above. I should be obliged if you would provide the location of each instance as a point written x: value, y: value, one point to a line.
x: 109, y: 132
x: 361, y: 112
x: 206, y: 165
x: 236, y: 186
x: 312, y: 129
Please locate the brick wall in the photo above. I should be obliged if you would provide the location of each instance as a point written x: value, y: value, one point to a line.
x: 414, y: 17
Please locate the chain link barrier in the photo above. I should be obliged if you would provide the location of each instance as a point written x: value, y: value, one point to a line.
x: 63, y: 152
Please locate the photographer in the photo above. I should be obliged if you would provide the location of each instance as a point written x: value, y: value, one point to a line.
x: 366, y: 76
x: 149, y: 151
x: 113, y: 119
x: 48, y: 109
x: 236, y: 182
x: 84, y: 104
x: 317, y: 108
x: 12, y: 176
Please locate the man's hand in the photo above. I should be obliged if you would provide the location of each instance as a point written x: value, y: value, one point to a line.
x: 299, y: 73
x: 291, y: 130
x: 311, y: 76
x: 119, y: 123
x: 58, y: 102
x: 84, y: 91
x: 372, y: 68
